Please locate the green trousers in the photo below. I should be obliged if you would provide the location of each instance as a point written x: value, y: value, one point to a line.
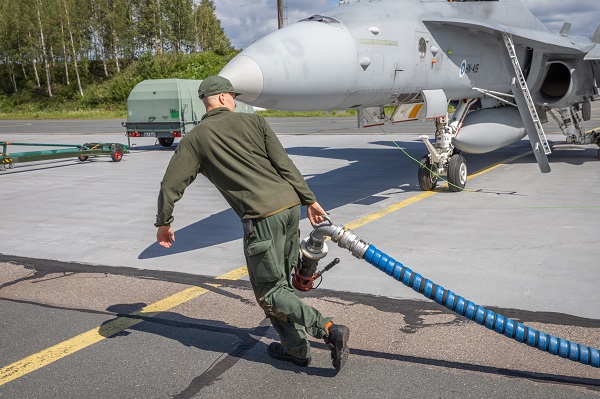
x: 271, y: 251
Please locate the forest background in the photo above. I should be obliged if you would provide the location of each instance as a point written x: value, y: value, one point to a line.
x: 81, y: 58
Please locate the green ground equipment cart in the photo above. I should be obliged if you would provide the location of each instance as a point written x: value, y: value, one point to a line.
x: 8, y: 159
x: 166, y: 109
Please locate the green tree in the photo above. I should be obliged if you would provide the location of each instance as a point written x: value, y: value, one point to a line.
x: 209, y: 35
x: 41, y: 8
x: 179, y: 19
x: 71, y: 40
x: 151, y: 25
x: 51, y: 43
x: 9, y: 39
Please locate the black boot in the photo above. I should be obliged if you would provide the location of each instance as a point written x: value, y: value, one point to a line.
x: 277, y: 351
x: 337, y: 339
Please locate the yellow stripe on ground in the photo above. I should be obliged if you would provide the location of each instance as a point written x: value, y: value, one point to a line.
x: 392, y: 208
x: 65, y: 348
x: 494, y: 166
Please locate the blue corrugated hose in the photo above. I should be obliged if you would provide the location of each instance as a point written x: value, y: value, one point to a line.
x: 502, y: 325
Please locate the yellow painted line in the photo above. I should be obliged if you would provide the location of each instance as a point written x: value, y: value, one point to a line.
x: 403, y: 204
x: 392, y: 208
x: 72, y: 345
x: 342, y: 119
x: 234, y: 274
x: 494, y: 166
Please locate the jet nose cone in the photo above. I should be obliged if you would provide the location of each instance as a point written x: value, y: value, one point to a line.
x: 306, y: 66
x: 246, y: 76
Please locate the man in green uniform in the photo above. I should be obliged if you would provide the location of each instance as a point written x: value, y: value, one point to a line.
x: 241, y: 155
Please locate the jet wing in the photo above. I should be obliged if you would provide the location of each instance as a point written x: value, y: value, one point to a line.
x: 540, y: 40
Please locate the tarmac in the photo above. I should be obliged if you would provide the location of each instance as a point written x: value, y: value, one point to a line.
x: 93, y: 307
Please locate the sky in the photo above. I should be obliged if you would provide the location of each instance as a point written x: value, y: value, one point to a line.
x: 246, y: 21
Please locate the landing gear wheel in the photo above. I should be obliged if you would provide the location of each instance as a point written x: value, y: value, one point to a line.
x: 427, y: 179
x: 457, y: 173
x: 166, y: 141
x: 117, y: 154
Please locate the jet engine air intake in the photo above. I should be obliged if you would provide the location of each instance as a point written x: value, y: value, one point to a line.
x: 360, y: 248
x: 557, y: 82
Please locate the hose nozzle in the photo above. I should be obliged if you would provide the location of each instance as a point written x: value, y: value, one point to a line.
x: 313, y: 248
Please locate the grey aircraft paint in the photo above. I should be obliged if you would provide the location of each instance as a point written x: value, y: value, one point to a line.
x: 367, y: 54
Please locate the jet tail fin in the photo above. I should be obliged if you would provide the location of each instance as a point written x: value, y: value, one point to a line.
x: 596, y: 36
x: 566, y: 28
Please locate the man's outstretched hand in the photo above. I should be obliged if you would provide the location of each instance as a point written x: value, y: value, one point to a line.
x: 165, y: 236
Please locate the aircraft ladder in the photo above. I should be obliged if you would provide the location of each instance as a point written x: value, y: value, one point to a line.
x: 526, y: 94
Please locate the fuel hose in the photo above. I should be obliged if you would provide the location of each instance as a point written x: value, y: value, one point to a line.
x: 361, y: 249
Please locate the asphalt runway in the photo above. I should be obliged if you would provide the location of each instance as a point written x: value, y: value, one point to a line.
x: 92, y: 307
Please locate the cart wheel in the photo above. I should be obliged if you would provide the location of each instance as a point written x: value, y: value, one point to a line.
x: 166, y: 141
x: 117, y: 154
x: 11, y: 166
x: 83, y: 158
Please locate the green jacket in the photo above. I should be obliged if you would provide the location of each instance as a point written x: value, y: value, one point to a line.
x: 241, y: 155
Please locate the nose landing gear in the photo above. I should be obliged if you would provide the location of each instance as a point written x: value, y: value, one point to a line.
x: 443, y: 158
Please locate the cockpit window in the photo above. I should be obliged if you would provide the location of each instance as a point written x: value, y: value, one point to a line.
x: 322, y: 18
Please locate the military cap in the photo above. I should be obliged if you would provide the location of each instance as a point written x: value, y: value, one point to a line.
x: 215, y: 84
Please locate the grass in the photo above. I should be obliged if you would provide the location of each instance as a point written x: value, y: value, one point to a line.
x: 122, y: 114
x: 79, y: 114
x: 270, y: 113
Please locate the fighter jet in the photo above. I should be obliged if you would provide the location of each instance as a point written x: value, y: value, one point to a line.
x: 486, y: 72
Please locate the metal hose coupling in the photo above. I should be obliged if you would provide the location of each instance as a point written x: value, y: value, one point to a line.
x: 314, y: 246
x: 313, y: 249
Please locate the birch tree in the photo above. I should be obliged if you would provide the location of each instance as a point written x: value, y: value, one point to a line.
x: 72, y: 42
x: 43, y: 45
